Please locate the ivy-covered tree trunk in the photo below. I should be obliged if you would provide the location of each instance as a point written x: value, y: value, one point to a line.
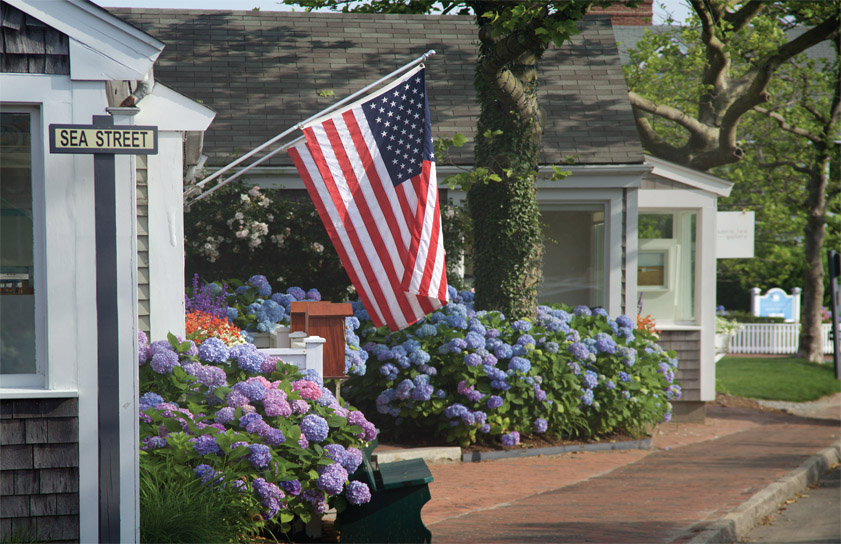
x: 507, y: 236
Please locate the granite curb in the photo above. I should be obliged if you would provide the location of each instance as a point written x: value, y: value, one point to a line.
x: 454, y: 454
x: 739, y: 522
x: 478, y: 456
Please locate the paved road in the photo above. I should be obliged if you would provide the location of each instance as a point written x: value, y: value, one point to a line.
x: 813, y: 516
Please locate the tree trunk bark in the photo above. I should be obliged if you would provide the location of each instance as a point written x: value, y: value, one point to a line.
x: 811, y: 342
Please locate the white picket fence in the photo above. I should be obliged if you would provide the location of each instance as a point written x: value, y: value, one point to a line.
x: 773, y: 338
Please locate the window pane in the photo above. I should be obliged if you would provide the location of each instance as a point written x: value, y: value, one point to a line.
x: 651, y: 269
x: 573, y: 258
x: 653, y: 226
x: 17, y: 295
x: 666, y: 266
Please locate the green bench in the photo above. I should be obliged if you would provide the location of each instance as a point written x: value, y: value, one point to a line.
x: 398, y: 492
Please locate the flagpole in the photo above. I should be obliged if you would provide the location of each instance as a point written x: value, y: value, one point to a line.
x: 286, y: 132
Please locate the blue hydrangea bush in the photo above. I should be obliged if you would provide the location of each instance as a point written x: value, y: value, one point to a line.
x: 242, y: 420
x: 476, y: 377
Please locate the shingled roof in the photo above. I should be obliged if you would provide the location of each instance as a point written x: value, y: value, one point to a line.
x: 263, y: 72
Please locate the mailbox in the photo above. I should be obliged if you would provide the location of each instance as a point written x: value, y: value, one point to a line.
x: 327, y: 320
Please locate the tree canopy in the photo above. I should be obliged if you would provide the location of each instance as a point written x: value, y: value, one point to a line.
x: 741, y: 45
x: 784, y: 150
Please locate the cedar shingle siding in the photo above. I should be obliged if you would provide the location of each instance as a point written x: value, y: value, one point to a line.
x: 39, y: 469
x: 687, y: 346
x: 28, y: 46
x: 263, y: 71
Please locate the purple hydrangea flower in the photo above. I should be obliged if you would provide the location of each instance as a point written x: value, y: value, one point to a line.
x: 521, y: 325
x: 247, y: 357
x: 214, y: 350
x: 582, y: 311
x: 207, y: 475
x: 293, y: 487
x: 153, y: 443
x: 472, y: 359
x: 605, y: 343
x: 299, y: 406
x: 494, y: 402
x: 625, y: 321
x: 250, y: 417
x: 332, y: 479
x: 510, y: 439
x: 260, y: 455
x: 205, y: 444
x: 314, y: 428
x: 149, y: 400
x: 159, y: 346
x: 519, y: 364
x: 255, y: 391
x: 336, y: 452
x: 540, y: 425
x: 262, y: 284
x: 272, y: 436
x: 353, y: 458
x: 297, y: 292
x: 357, y: 493
x: 503, y: 351
x: 270, y: 496
x: 164, y: 361
x: 590, y: 378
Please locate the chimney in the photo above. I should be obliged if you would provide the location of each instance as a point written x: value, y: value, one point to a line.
x: 622, y: 15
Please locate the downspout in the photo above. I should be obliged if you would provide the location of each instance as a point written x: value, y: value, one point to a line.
x: 144, y: 87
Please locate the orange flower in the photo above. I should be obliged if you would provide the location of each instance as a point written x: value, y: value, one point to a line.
x: 201, y: 325
x: 647, y: 324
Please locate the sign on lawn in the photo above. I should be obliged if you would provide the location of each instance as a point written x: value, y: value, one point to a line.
x: 776, y: 303
x: 126, y: 140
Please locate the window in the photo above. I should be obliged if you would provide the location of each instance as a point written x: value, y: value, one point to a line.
x: 666, y: 265
x: 574, y: 255
x: 17, y: 263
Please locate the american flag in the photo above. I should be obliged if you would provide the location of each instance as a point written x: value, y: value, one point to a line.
x: 370, y: 170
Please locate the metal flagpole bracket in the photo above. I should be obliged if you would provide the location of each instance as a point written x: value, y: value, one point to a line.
x: 194, y: 192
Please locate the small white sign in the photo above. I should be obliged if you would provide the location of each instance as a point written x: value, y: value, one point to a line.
x: 735, y: 235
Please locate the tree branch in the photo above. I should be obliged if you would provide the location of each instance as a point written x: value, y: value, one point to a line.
x: 790, y: 164
x: 786, y: 126
x: 738, y: 19
x: 718, y: 60
x: 653, y: 143
x: 668, y: 112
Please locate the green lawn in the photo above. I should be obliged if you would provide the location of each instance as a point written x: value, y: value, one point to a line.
x: 788, y: 379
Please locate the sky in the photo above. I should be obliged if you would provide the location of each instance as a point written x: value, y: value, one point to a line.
x: 677, y: 8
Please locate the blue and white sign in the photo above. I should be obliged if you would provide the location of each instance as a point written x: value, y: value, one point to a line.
x: 776, y: 303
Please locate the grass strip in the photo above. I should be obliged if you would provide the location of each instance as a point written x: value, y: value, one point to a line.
x: 784, y: 378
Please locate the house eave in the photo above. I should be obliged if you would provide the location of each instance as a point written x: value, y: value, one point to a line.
x: 688, y: 176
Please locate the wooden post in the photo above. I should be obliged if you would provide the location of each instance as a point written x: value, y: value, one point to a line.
x: 327, y: 320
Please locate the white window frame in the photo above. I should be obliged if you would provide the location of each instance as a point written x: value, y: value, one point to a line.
x: 38, y: 379
x: 611, y: 201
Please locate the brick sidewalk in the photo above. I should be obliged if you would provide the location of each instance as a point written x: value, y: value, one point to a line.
x: 694, y: 474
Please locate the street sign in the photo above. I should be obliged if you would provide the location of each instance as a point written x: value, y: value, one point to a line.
x: 119, y: 140
x: 104, y: 140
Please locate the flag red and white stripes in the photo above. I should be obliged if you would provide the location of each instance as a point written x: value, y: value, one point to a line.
x: 370, y: 170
